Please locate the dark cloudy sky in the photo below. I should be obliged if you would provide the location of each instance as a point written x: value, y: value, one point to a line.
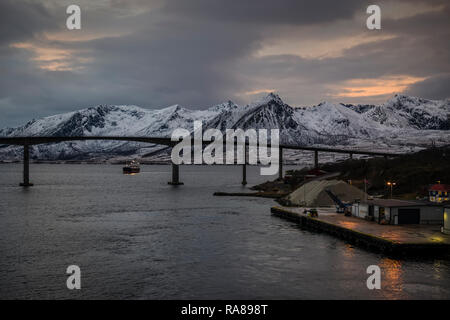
x: 201, y: 52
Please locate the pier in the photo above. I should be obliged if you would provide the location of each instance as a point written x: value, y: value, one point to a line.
x: 26, y: 142
x: 389, y: 239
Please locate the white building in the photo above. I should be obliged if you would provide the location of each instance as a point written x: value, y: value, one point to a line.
x: 393, y: 211
x: 446, y: 228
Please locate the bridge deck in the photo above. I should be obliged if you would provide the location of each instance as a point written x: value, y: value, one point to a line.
x: 169, y: 142
x: 27, y: 141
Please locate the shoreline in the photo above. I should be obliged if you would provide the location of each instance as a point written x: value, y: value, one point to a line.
x: 270, y: 195
x: 370, y: 236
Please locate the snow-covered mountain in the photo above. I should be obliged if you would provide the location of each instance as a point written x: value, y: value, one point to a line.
x: 331, y: 123
x: 411, y: 112
x: 105, y: 120
x: 397, y: 121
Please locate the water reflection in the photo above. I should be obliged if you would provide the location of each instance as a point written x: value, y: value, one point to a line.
x: 437, y: 274
x: 183, y: 243
x: 392, y: 277
x: 349, y: 250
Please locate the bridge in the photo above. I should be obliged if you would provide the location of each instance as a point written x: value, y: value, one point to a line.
x: 26, y: 142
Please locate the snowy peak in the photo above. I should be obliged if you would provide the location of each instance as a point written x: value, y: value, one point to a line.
x: 359, y: 108
x: 411, y: 112
x: 404, y: 99
x: 269, y: 113
x: 337, y: 121
x: 272, y: 98
x: 87, y: 121
x: 326, y: 123
x: 223, y: 107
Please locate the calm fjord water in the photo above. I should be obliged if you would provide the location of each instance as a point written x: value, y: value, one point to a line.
x: 137, y: 237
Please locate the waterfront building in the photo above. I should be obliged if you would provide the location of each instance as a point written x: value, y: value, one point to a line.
x: 393, y: 211
x: 439, y: 193
x: 446, y: 227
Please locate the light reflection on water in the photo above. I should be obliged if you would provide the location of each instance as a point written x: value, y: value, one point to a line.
x: 137, y: 237
x: 392, y: 276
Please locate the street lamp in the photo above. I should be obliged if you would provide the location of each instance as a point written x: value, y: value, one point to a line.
x: 391, y: 184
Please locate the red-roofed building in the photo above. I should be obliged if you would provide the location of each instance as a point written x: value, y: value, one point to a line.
x: 439, y: 193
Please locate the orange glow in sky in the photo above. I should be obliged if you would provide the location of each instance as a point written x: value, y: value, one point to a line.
x: 376, y: 87
x: 258, y: 91
x: 51, y: 59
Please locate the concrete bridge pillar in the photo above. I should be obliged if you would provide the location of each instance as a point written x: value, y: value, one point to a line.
x: 280, y: 163
x: 26, y: 166
x: 316, y: 160
x: 175, y: 175
x: 244, y: 168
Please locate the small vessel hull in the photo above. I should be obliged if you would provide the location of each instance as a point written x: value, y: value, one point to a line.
x: 131, y: 170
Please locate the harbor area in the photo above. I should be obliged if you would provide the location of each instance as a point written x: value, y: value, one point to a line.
x: 409, y: 239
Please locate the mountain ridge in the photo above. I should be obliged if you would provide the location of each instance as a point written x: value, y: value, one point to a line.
x: 323, y: 124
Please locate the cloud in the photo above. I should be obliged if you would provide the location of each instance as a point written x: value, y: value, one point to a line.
x: 22, y: 20
x: 266, y: 12
x: 201, y: 52
x: 436, y: 87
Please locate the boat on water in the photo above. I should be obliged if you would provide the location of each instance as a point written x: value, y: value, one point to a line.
x: 132, y: 167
